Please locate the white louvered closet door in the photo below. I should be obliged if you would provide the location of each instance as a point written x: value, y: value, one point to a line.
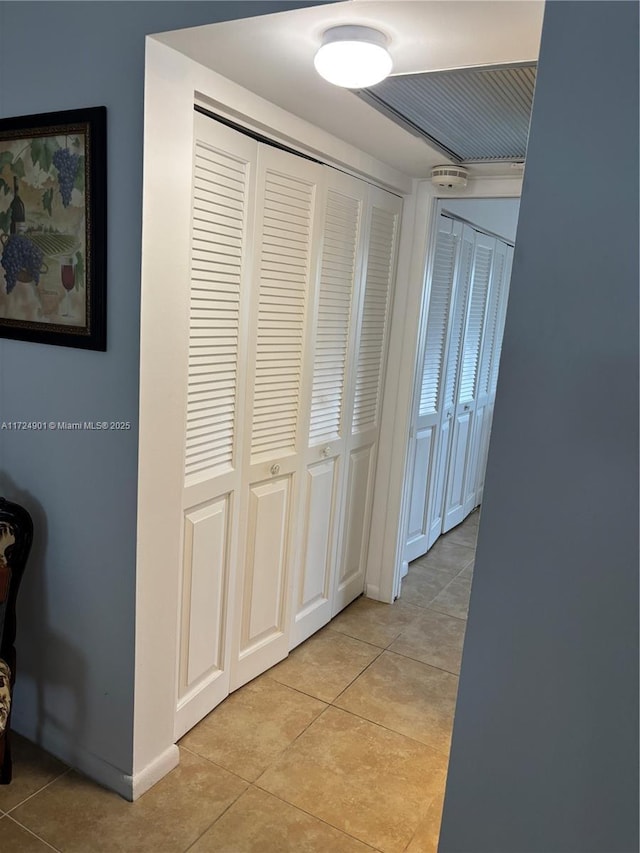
x: 487, y: 349
x: 286, y: 243
x: 425, y: 429
x: 467, y: 381
x: 332, y: 336
x: 453, y: 359
x: 494, y: 366
x: 221, y: 225
x: 365, y: 401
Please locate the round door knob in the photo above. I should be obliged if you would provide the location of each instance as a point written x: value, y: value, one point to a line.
x: 466, y: 408
x: 326, y: 451
x: 448, y: 414
x: 275, y: 469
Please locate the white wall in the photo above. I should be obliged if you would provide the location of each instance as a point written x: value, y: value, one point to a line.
x: 545, y: 740
x: 498, y: 215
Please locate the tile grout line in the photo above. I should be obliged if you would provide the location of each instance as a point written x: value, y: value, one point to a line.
x: 423, y: 662
x: 400, y: 734
x: 415, y: 832
x: 31, y: 832
x: 447, y: 613
x: 39, y: 791
x: 215, y: 764
x: 224, y: 811
x: 289, y: 745
x: 345, y: 634
x: 311, y: 814
x: 353, y: 680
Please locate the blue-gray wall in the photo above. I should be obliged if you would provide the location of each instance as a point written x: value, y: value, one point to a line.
x: 77, y: 604
x: 545, y: 742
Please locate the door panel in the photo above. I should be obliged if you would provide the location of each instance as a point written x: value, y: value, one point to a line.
x: 457, y: 501
x: 439, y: 482
x: 265, y: 566
x: 221, y: 256
x: 475, y: 451
x: 331, y: 353
x: 418, y: 493
x: 320, y: 491
x: 287, y: 236
x: 423, y: 465
x: 439, y: 503
x: 362, y: 412
x: 457, y: 470
x: 203, y: 678
x: 205, y: 587
x: 356, y: 513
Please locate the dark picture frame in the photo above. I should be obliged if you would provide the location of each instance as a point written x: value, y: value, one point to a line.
x: 53, y: 228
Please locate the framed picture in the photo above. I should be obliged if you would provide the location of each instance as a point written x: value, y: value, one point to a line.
x: 53, y: 228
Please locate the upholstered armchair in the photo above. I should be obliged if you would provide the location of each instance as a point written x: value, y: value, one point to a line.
x: 16, y: 535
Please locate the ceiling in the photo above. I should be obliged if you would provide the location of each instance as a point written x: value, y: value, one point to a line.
x: 272, y: 55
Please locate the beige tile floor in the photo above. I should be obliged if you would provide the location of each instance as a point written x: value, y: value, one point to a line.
x: 341, y: 748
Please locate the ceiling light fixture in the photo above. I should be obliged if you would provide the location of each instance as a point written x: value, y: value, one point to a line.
x: 354, y: 57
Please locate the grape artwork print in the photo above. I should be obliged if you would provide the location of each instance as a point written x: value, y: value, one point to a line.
x: 53, y: 228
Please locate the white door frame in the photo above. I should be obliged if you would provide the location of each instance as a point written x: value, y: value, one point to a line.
x: 173, y: 84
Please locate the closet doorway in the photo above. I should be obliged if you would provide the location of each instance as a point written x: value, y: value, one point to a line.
x: 289, y: 294
x: 464, y: 308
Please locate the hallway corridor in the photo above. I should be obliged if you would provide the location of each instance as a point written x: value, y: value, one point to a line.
x: 341, y: 748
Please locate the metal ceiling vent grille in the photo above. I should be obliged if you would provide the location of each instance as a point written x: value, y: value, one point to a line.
x: 470, y: 114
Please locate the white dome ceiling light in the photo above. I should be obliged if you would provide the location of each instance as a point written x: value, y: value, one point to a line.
x: 353, y: 57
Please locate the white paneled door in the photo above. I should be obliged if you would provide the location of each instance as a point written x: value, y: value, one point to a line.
x: 465, y: 306
x: 364, y: 407
x: 221, y: 222
x: 439, y: 486
x: 290, y: 297
x: 287, y: 239
x: 332, y: 336
x: 426, y: 427
x: 483, y: 385
x: 466, y: 391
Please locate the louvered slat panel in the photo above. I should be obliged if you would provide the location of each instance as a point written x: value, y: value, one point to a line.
x: 495, y: 301
x: 284, y: 271
x: 437, y: 320
x: 340, y: 238
x: 473, y: 335
x: 374, y: 319
x: 218, y: 217
x: 459, y: 312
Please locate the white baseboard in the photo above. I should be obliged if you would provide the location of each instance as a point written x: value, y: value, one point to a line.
x: 152, y: 773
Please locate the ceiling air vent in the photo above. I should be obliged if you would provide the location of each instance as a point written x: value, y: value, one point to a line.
x: 470, y: 115
x: 449, y: 177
